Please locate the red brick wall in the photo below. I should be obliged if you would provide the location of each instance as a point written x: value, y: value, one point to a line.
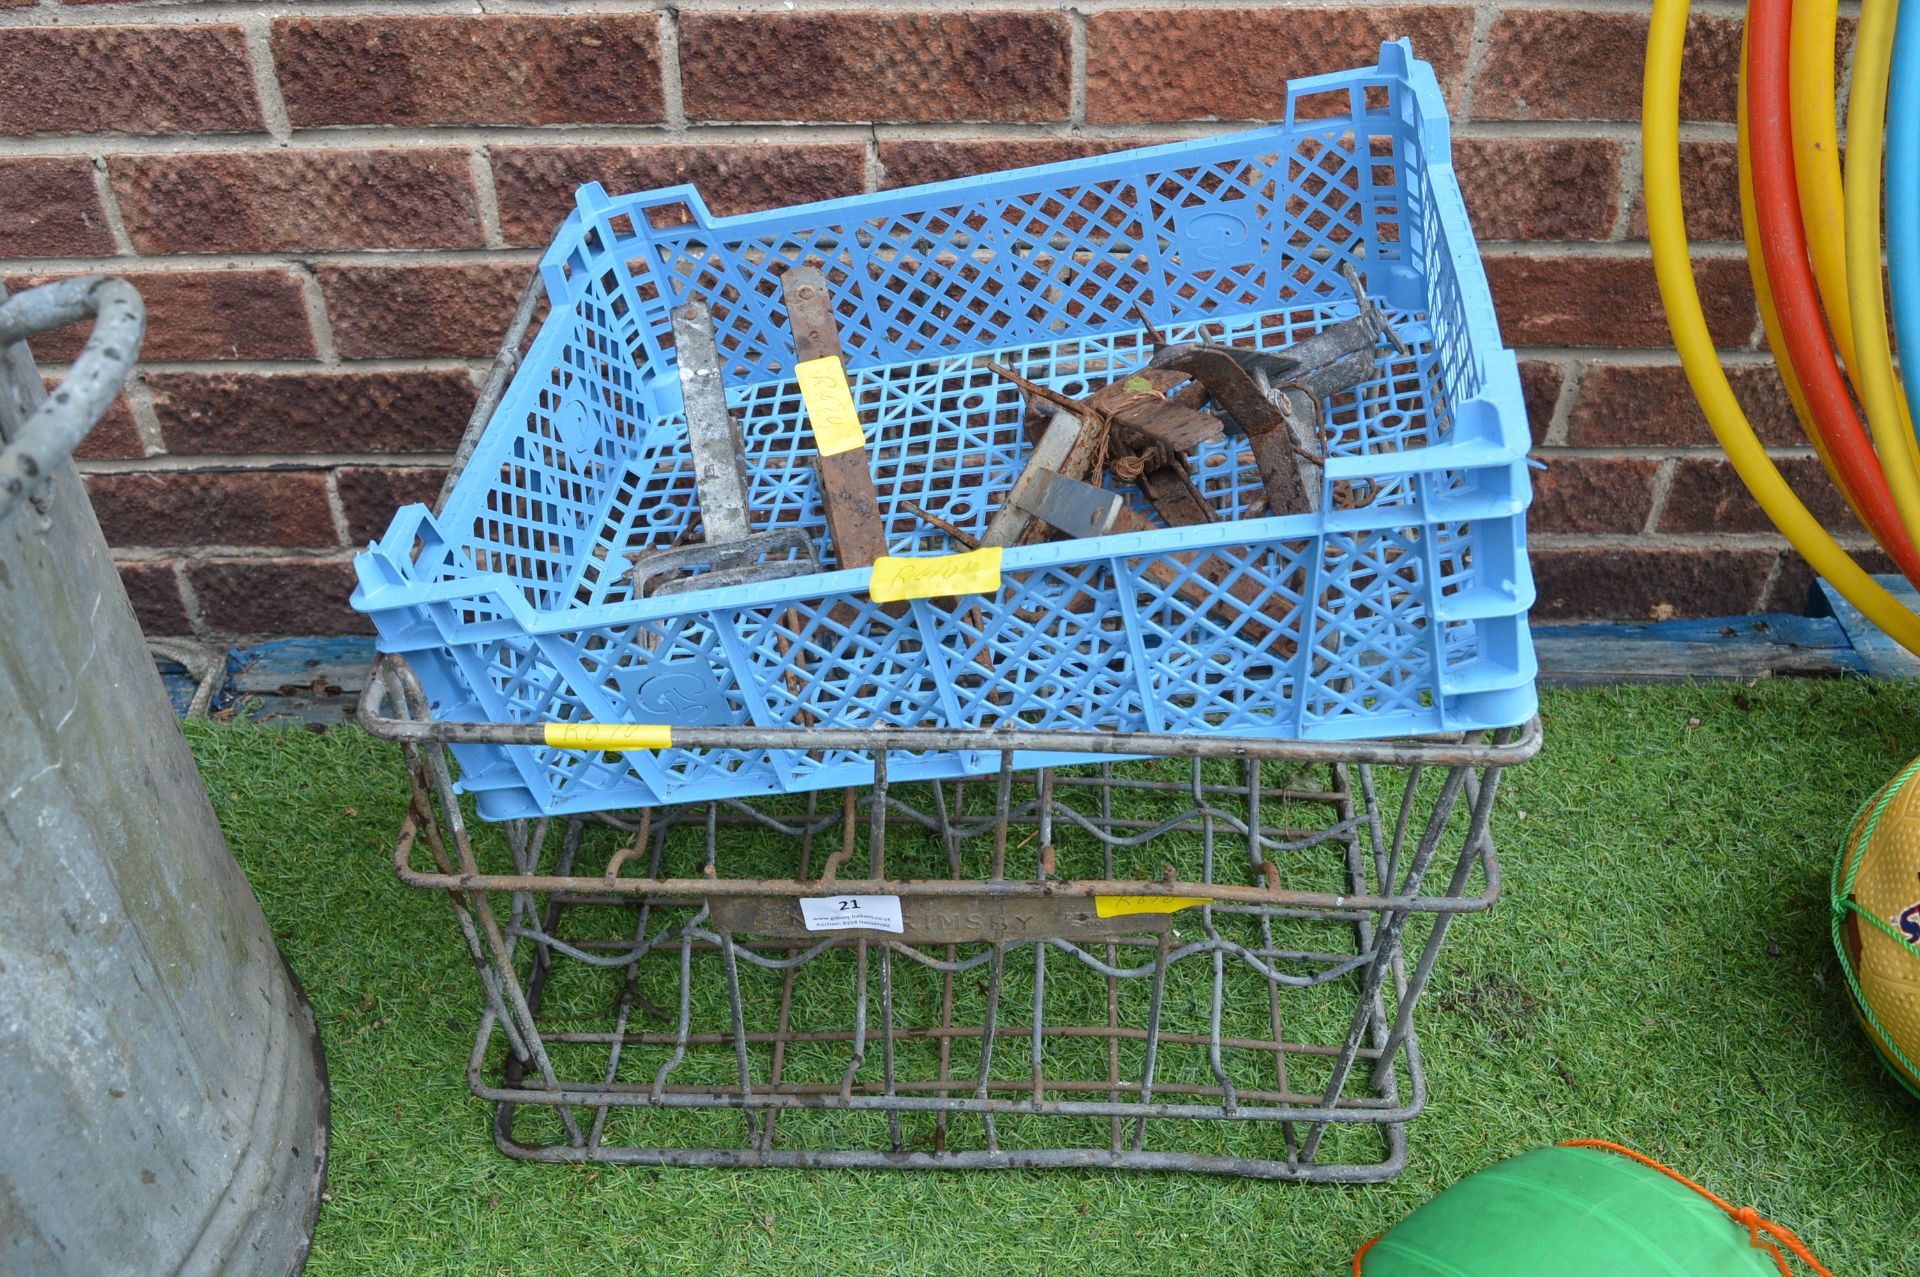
x: 330, y: 216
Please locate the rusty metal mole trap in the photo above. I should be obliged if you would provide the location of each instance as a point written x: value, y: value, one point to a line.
x: 1205, y: 959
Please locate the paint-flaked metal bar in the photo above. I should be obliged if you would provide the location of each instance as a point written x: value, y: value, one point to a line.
x: 719, y: 455
x: 847, y: 495
x: 1006, y: 1159
x: 1443, y: 751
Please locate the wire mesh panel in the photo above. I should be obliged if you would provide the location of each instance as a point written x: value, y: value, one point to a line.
x: 1204, y: 963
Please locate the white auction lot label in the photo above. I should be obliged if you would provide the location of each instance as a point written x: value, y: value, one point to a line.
x: 852, y: 913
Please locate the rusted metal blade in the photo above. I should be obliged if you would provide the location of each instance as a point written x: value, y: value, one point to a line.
x: 1276, y: 366
x: 1230, y: 386
x: 1138, y: 402
x: 847, y: 493
x: 1342, y: 374
x: 1172, y: 494
x: 1270, y: 442
x: 1165, y: 422
x: 1362, y: 332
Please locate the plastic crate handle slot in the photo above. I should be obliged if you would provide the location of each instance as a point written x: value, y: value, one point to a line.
x: 590, y: 242
x: 936, y: 576
x: 830, y: 412
x: 613, y: 736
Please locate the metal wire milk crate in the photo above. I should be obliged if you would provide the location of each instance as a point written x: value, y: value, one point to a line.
x: 1191, y: 961
x: 1396, y: 613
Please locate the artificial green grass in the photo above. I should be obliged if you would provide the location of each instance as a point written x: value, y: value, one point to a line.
x: 1658, y: 973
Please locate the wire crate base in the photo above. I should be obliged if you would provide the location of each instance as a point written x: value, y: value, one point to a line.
x: 1193, y: 964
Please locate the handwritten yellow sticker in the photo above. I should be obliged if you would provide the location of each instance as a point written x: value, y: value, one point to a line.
x: 1120, y: 906
x: 614, y: 736
x: 975, y: 572
x: 830, y: 410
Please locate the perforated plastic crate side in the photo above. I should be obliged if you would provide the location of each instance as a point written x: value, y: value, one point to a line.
x: 462, y: 611
x: 610, y: 248
x: 540, y: 668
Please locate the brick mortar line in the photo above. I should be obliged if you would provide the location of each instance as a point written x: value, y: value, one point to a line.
x: 313, y: 299
x: 1773, y: 577
x: 1625, y: 356
x: 316, y: 365
x: 189, y: 598
x: 486, y: 197
x: 1633, y: 180
x: 217, y: 12
x: 1572, y: 373
x: 1843, y: 91
x: 342, y: 531
x: 873, y: 173
x: 672, y: 90
x: 1477, y: 40
x: 110, y: 209
x: 1601, y: 541
x: 224, y: 463
x: 217, y: 463
x: 258, y: 35
x: 1718, y: 541
x: 188, y: 263
x: 1077, y: 66
x: 145, y: 419
x: 305, y: 553
x: 1605, y: 249
x: 1625, y: 250
x: 360, y: 137
x: 1551, y: 453
x: 1660, y: 489
x: 1641, y: 356
x: 1626, y: 541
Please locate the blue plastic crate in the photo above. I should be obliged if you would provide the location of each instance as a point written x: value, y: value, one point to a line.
x: 1404, y: 616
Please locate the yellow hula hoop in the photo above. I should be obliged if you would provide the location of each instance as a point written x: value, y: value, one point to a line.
x: 1817, y: 178
x: 1816, y: 162
x: 1878, y: 387
x: 1673, y: 267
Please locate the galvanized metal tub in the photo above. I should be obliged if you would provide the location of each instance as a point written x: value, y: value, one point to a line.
x: 163, y: 1101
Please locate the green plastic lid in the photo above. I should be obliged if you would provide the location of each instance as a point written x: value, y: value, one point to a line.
x: 1568, y: 1212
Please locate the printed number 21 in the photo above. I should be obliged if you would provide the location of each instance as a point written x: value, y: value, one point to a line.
x: 849, y: 904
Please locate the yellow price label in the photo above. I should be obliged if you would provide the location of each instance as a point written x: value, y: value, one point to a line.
x: 615, y: 736
x: 1120, y: 906
x: 975, y: 572
x: 830, y: 410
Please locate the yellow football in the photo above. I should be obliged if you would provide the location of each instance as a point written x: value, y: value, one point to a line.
x: 1876, y: 897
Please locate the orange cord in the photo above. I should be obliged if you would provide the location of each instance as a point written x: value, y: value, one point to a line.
x: 1361, y: 1254
x: 1744, y: 1215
